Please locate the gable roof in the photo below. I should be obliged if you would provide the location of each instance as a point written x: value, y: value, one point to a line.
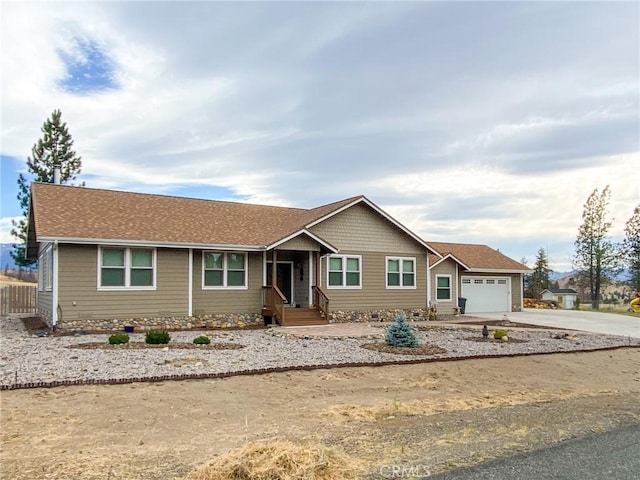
x: 479, y: 258
x: 561, y: 291
x: 89, y: 215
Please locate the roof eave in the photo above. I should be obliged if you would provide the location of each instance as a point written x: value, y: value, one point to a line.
x: 151, y: 243
x: 452, y: 257
x: 497, y: 270
x: 304, y: 231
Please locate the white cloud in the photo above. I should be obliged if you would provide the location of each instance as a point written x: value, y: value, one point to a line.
x: 465, y: 127
x: 5, y: 229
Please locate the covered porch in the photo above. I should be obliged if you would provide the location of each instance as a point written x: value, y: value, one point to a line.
x: 291, y: 291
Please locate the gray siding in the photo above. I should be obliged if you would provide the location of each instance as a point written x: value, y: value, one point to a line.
x: 360, y: 229
x: 78, y: 282
x: 374, y: 294
x: 45, y: 297
x: 448, y: 267
x: 225, y: 300
x: 301, y: 242
x: 45, y: 306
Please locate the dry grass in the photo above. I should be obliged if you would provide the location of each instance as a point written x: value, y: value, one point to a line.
x: 279, y: 460
x: 391, y: 409
x: 6, y: 280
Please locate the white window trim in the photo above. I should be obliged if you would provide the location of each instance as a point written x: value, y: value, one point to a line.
x: 127, y: 270
x: 450, y: 288
x: 344, y: 285
x: 401, y: 286
x: 225, y: 271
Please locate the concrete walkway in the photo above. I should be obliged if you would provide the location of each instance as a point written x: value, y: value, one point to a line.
x: 587, y: 321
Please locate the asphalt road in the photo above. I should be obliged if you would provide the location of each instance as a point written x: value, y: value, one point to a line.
x: 613, y: 455
x: 597, y: 322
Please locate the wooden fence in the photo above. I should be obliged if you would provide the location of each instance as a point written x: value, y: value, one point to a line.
x: 18, y: 299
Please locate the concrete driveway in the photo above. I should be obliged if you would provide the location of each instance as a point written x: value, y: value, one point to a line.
x: 596, y: 322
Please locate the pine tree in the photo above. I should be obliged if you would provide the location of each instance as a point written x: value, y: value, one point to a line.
x: 54, y: 149
x: 596, y: 257
x: 631, y: 248
x: 539, y: 279
x: 401, y: 334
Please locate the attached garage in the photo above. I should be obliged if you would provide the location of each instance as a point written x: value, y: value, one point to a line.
x: 487, y: 294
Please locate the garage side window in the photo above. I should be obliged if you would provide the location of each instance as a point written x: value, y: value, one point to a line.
x: 443, y: 289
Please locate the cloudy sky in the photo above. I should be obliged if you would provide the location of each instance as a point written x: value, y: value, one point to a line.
x: 469, y: 122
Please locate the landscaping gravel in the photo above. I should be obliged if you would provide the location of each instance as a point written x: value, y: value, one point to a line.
x: 29, y: 360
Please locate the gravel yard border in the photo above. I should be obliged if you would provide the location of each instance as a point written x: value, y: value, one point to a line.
x: 28, y: 361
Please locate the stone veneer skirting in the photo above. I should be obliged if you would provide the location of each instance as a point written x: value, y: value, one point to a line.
x: 229, y: 320
x: 143, y: 324
x: 413, y: 314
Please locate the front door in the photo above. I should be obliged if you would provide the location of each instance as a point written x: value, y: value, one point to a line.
x: 284, y: 272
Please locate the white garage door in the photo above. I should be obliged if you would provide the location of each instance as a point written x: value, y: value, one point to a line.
x: 487, y: 294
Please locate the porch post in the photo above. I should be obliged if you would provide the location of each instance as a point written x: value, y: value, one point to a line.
x: 310, y: 275
x: 317, y: 268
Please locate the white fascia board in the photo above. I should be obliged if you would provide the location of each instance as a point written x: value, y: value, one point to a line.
x: 381, y: 213
x: 496, y: 270
x: 452, y: 257
x: 304, y: 231
x: 152, y: 244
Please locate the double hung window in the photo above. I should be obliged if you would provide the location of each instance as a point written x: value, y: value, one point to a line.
x: 224, y: 270
x: 401, y: 272
x: 128, y: 268
x: 345, y: 271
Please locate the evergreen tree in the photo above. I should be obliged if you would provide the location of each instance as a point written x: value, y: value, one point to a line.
x: 596, y: 257
x: 631, y: 248
x: 539, y: 279
x: 401, y: 334
x: 54, y: 149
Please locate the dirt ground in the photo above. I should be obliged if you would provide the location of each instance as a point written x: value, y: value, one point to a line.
x: 431, y: 417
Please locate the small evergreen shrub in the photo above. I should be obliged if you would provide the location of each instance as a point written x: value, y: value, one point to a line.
x: 118, y: 338
x: 401, y: 334
x: 202, y: 340
x: 498, y: 334
x: 157, y: 337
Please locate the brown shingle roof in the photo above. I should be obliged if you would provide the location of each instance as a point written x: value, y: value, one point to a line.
x: 86, y: 213
x: 478, y: 257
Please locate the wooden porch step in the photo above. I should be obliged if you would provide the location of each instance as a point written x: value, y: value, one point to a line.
x: 297, y: 317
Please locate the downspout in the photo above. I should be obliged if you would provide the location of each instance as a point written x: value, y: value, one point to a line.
x: 264, y: 268
x: 428, y: 282
x: 190, y: 282
x: 55, y: 306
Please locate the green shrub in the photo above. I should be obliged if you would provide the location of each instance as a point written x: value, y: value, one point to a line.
x: 401, y: 334
x: 498, y: 334
x: 157, y: 337
x: 202, y: 340
x: 118, y: 338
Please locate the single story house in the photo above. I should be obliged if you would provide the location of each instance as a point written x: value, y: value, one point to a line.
x: 488, y: 280
x: 110, y: 259
x: 566, y: 297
